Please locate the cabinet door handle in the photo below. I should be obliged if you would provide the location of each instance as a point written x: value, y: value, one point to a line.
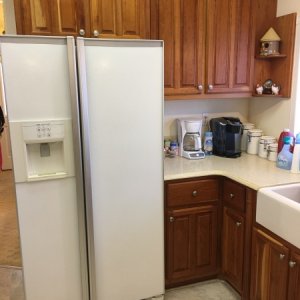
x: 82, y: 32
x: 281, y: 256
x: 210, y: 87
x: 194, y: 193
x: 200, y: 87
x: 231, y: 196
x: 238, y: 224
x: 96, y: 33
x: 171, y: 219
x: 292, y: 264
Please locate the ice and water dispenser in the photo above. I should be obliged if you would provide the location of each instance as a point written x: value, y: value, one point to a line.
x: 46, y: 151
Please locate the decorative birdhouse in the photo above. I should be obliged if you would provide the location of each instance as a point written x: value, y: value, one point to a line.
x: 270, y: 43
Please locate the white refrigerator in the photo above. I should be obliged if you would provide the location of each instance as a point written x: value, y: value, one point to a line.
x: 86, y: 126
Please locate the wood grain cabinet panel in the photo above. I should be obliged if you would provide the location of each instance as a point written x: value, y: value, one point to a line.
x: 192, y: 213
x: 233, y: 247
x: 181, y: 25
x: 57, y: 17
x: 208, y: 46
x: 269, y: 272
x: 191, y: 243
x: 37, y: 16
x: 120, y: 19
x: 93, y: 18
x: 294, y: 278
x: 230, y: 46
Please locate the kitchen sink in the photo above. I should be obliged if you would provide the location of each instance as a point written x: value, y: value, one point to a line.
x: 278, y: 209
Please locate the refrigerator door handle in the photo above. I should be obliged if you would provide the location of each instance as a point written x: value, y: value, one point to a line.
x: 85, y: 142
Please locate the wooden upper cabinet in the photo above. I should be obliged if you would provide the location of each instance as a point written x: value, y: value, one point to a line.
x: 181, y: 25
x: 208, y: 46
x: 42, y: 17
x: 128, y: 19
x: 70, y: 17
x: 230, y: 46
x: 33, y: 17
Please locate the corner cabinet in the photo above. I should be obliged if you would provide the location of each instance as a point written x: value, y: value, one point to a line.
x: 92, y: 18
x: 208, y: 47
x: 275, y: 272
x: 192, y: 230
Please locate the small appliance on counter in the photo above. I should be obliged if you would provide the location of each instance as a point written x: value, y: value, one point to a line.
x: 227, y: 134
x: 189, y: 138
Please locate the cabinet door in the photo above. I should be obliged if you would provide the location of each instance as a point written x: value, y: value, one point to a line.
x: 191, y: 250
x: 229, y: 46
x: 269, y: 272
x: 71, y: 17
x: 181, y: 25
x: 206, y: 241
x: 34, y: 17
x: 128, y: 19
x: 294, y: 279
x: 42, y: 17
x: 179, y: 240
x: 233, y: 247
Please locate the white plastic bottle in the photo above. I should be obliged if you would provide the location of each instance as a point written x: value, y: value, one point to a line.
x: 296, y: 156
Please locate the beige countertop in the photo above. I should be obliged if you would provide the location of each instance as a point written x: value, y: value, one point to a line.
x: 250, y: 170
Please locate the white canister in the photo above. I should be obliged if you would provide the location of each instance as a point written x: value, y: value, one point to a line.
x: 253, y: 140
x: 244, y: 141
x: 272, y: 152
x: 264, y: 141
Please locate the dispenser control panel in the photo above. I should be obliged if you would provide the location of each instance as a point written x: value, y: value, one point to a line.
x: 43, y: 131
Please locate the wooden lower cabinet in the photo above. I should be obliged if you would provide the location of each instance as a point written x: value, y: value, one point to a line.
x: 233, y: 247
x: 270, y: 268
x: 294, y: 278
x: 191, y: 243
x: 192, y: 229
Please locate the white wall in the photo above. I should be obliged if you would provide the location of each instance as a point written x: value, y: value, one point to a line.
x: 285, y: 7
x: 9, y: 17
x: 195, y: 108
x: 272, y: 115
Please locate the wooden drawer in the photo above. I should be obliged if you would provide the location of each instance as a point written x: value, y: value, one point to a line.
x: 192, y: 192
x: 234, y: 195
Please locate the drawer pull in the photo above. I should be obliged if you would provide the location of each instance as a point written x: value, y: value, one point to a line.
x: 231, y: 196
x: 238, y: 224
x: 195, y: 193
x: 292, y: 264
x: 171, y: 219
x: 281, y: 256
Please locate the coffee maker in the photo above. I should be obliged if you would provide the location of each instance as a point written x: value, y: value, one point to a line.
x: 189, y: 138
x: 227, y: 134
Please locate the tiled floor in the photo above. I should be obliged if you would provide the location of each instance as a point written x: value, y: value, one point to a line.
x: 207, y: 290
x: 11, y: 284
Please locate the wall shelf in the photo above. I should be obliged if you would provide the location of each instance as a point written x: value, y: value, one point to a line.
x: 270, y: 56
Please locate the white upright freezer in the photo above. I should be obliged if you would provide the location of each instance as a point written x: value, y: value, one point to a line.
x: 86, y: 127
